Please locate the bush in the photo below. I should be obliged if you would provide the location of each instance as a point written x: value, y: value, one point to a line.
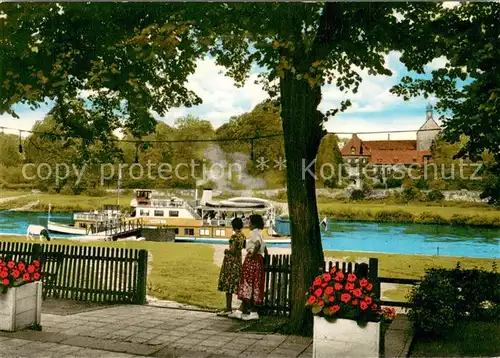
x: 357, y: 194
x: 447, y: 295
x: 394, y: 183
x: 398, y: 216
x: 410, y: 194
x: 435, y: 195
x: 429, y: 218
x: 433, y: 304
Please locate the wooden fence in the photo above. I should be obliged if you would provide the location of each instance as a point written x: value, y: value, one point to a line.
x: 278, y: 283
x: 88, y: 273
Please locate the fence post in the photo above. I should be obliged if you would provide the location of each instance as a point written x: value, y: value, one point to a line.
x: 373, y: 275
x: 142, y: 277
x: 36, y: 252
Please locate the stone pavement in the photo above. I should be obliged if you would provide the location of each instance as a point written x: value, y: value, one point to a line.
x: 138, y: 331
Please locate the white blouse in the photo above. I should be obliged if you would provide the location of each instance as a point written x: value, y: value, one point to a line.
x: 255, y: 236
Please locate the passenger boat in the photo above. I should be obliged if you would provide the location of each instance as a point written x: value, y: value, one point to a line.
x: 203, y: 218
x: 84, y: 222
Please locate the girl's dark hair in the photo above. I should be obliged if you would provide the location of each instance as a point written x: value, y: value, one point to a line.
x: 257, y: 221
x: 237, y: 224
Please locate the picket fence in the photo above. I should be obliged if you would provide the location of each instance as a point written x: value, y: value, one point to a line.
x: 86, y: 273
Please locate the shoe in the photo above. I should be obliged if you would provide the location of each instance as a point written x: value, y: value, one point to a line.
x: 223, y: 313
x: 235, y: 314
x: 251, y: 317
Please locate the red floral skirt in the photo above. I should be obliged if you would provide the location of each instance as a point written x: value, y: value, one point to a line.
x: 251, y: 287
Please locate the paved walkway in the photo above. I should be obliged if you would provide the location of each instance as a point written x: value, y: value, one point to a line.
x: 138, y: 331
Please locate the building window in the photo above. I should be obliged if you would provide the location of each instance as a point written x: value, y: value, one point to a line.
x: 158, y: 212
x: 176, y: 231
x: 353, y: 150
x: 205, y: 232
x: 220, y: 232
x: 173, y: 213
x: 189, y: 232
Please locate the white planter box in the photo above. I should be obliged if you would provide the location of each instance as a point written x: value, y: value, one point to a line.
x: 344, y: 338
x: 21, y: 307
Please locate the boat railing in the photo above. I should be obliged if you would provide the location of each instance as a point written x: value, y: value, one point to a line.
x: 91, y: 217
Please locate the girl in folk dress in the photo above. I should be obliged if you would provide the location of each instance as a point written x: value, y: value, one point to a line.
x: 251, y: 287
x: 230, y: 273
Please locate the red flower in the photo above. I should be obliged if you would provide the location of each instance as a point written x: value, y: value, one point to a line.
x: 363, y: 305
x: 16, y: 274
x: 369, y: 287
x: 329, y: 290
x: 318, y: 292
x: 11, y: 264
x: 36, y: 263
x: 324, y: 284
x: 331, y: 298
x: 374, y: 307
x: 339, y: 276
x: 351, y: 277
x: 354, y: 302
x: 31, y: 268
x: 363, y: 282
x: 334, y: 308
x: 5, y: 282
x: 4, y: 274
x: 36, y: 276
x: 345, y: 297
x: 327, y: 277
x: 349, y: 286
x: 317, y: 281
x: 26, y: 277
x: 337, y: 286
x: 357, y: 292
x: 368, y: 299
x: 321, y: 303
x: 333, y: 270
x: 311, y: 300
x: 21, y: 266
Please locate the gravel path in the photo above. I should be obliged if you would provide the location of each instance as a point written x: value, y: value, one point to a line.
x: 11, y: 198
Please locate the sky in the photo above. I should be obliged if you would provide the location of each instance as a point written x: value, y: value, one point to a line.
x: 373, y: 108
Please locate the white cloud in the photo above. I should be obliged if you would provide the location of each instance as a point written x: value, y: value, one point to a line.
x: 25, y: 121
x: 436, y: 64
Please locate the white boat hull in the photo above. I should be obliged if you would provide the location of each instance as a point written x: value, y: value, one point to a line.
x: 65, y: 229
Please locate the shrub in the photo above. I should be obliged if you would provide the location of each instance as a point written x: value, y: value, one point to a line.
x: 433, y: 304
x: 421, y: 184
x: 410, y: 194
x: 357, y: 194
x: 281, y: 195
x: 429, y: 218
x: 400, y: 216
x: 435, y: 195
x: 447, y: 295
x: 394, y: 183
x: 66, y: 190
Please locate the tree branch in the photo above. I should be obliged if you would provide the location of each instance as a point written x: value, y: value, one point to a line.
x: 329, y: 28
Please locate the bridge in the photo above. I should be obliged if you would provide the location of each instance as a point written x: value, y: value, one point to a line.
x: 118, y: 229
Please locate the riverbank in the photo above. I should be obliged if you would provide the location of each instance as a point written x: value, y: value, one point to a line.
x: 448, y: 213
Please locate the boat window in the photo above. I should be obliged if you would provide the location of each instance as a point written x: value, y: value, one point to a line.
x: 189, y: 232
x: 158, y: 212
x: 144, y: 212
x: 220, y: 232
x: 173, y: 213
x: 205, y: 232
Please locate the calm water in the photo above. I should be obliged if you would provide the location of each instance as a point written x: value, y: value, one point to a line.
x: 352, y: 236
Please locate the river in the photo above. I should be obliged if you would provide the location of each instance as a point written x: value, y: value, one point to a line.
x: 419, y: 239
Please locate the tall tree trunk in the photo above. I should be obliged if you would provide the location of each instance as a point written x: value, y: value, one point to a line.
x: 302, y: 127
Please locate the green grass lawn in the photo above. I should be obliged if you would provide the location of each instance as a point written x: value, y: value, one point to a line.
x: 64, y: 203
x: 446, y: 211
x: 9, y: 193
x: 468, y: 339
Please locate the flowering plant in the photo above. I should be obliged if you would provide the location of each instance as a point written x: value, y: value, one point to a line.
x: 14, y: 274
x: 338, y: 295
x: 388, y: 313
